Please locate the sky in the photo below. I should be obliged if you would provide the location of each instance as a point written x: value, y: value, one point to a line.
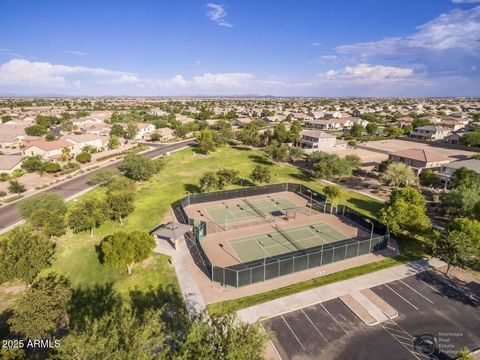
x: 240, y: 47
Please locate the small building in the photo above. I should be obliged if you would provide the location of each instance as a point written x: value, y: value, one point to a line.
x: 86, y: 140
x: 419, y: 159
x: 320, y: 140
x: 166, y: 133
x: 430, y: 132
x: 143, y: 130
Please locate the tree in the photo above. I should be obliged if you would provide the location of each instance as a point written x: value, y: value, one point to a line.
x: 226, y: 177
x: 222, y: 336
x: 155, y: 136
x: 277, y: 151
x: 405, y: 211
x: 455, y: 248
x: 356, y: 130
x: 332, y: 192
x: 50, y: 137
x: 88, y: 215
x: 280, y: 133
x: 36, y: 130
x: 206, y: 141
x: 393, y: 131
x: 464, y: 354
x: 114, y: 142
x: 429, y: 178
x: 32, y: 163
x: 331, y: 165
x: 120, y: 334
x: 354, y: 161
x: 117, y: 131
x: 123, y: 250
x: 462, y: 201
x: 16, y: 187
x: 469, y: 139
x: 131, y: 131
x: 42, y: 310
x: 103, y: 176
x: 46, y: 201
x: 398, y: 174
x: 66, y: 154
x: 372, y: 128
x: 209, y: 181
x: 120, y: 204
x: 139, y: 168
x: 23, y: 254
x: 260, y: 174
x: 296, y: 153
x: 294, y: 133
x: 464, y: 176
x: 51, y: 167
x: 249, y: 135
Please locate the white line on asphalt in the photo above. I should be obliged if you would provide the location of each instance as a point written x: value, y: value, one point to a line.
x: 400, y: 296
x: 401, y: 343
x: 431, y: 287
x: 293, y: 332
x: 404, y: 283
x: 271, y: 342
x: 328, y: 312
x: 311, y: 322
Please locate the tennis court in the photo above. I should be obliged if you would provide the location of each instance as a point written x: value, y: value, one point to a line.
x: 283, y: 241
x: 248, y: 209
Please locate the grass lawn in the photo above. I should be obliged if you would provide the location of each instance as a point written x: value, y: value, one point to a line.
x: 76, y: 255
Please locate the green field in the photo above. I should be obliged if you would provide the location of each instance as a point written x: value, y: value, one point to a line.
x: 76, y: 255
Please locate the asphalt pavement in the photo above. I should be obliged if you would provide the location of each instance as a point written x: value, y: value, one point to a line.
x: 10, y: 216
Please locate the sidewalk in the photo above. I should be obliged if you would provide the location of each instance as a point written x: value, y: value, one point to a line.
x: 331, y: 291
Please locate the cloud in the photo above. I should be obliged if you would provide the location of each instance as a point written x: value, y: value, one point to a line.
x: 223, y: 80
x: 217, y: 13
x: 455, y: 30
x: 30, y: 74
x: 76, y: 52
x: 367, y: 74
x: 316, y: 44
x: 465, y: 1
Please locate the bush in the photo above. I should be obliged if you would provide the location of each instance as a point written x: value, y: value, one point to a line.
x: 51, y: 167
x: 4, y: 177
x: 3, y: 193
x: 84, y: 157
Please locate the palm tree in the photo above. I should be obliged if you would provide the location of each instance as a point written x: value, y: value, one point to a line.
x: 66, y: 154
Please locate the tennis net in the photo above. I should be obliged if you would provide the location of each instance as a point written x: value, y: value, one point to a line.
x: 254, y: 208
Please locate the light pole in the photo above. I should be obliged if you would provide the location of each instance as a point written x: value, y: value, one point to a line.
x: 311, y: 200
x: 371, y: 223
x: 226, y: 216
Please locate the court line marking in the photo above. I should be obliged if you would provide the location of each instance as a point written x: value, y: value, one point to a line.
x: 328, y: 312
x: 404, y: 283
x: 292, y: 332
x: 311, y: 322
x: 401, y: 297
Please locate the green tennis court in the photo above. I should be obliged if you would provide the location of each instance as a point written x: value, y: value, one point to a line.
x: 281, y: 242
x: 248, y: 209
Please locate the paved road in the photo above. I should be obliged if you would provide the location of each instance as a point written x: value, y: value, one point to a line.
x: 9, y: 214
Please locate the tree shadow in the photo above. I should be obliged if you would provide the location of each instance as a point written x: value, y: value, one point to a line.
x: 370, y: 205
x: 92, y: 303
x: 260, y: 159
x: 243, y: 182
x: 4, y: 328
x: 303, y: 175
x: 192, y: 188
x: 162, y: 297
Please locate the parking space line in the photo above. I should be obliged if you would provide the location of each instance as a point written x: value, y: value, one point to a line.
x: 271, y: 342
x: 400, y: 296
x: 430, y: 301
x: 311, y: 322
x: 298, y: 340
x: 328, y: 312
x: 401, y: 343
x: 431, y: 287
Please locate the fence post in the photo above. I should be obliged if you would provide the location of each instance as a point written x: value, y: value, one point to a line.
x: 236, y: 271
x: 308, y: 261
x: 321, y: 256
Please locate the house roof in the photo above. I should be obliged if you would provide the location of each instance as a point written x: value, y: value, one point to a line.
x: 8, y: 162
x: 317, y: 134
x: 421, y: 155
x: 432, y: 128
x: 84, y: 137
x: 470, y: 164
x: 48, y: 145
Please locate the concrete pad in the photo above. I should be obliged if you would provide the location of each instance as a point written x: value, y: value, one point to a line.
x: 385, y: 307
x: 358, y: 310
x: 369, y: 306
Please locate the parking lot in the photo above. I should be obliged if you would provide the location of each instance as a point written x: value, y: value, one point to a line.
x: 435, y: 313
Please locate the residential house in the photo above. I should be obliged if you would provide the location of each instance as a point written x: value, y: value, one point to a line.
x: 446, y: 171
x: 430, y: 132
x: 86, y: 140
x: 96, y: 129
x: 333, y: 114
x: 11, y: 136
x: 419, y: 159
x: 166, y: 134
x: 320, y: 140
x: 46, y: 149
x: 144, y: 131
x: 158, y: 112
x: 9, y: 163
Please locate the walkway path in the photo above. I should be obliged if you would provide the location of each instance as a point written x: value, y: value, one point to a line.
x: 331, y: 291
